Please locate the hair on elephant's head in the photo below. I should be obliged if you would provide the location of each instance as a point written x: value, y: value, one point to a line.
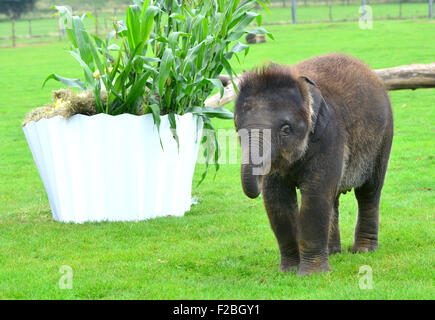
x: 277, y: 113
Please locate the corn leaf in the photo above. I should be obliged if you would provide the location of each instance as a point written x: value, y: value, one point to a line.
x: 75, y: 83
x: 165, y: 68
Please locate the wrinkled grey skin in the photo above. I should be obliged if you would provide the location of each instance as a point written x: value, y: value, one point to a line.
x: 331, y: 130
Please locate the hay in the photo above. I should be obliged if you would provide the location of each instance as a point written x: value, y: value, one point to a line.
x: 39, y: 113
x: 67, y: 103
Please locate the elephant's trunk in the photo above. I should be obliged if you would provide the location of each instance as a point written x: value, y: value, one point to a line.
x: 250, y: 182
x: 254, y: 166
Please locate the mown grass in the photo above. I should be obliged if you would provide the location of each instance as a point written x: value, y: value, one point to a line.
x: 223, y: 248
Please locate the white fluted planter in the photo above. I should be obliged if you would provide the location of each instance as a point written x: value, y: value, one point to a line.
x: 113, y: 168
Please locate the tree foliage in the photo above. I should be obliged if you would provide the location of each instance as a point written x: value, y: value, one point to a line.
x: 15, y: 8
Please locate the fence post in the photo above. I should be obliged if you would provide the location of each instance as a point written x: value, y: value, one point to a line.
x: 60, y: 27
x: 294, y: 11
x: 430, y: 9
x: 30, y: 28
x: 363, y: 4
x: 13, y: 31
x: 96, y: 22
x: 400, y: 9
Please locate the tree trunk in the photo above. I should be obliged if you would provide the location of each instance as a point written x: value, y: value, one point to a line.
x: 412, y: 76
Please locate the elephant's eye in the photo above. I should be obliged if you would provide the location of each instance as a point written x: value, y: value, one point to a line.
x: 285, y: 130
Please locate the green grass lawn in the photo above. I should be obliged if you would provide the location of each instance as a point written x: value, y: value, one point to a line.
x: 223, y: 248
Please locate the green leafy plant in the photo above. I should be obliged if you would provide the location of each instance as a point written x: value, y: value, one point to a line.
x: 164, y: 59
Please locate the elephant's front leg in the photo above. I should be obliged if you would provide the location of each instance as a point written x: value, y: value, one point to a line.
x: 313, y: 226
x: 334, y: 244
x: 281, y: 205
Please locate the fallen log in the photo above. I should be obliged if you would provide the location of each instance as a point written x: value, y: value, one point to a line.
x: 229, y: 93
x: 255, y: 38
x: 412, y: 77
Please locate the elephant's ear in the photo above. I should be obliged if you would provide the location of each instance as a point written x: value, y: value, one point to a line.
x: 320, y: 111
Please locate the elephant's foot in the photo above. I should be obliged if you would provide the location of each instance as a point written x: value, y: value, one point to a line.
x: 288, y: 267
x: 289, y: 264
x: 334, y: 248
x: 364, y: 245
x: 313, y: 265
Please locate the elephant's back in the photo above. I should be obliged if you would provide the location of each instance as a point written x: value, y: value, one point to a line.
x: 352, y: 89
x: 344, y: 78
x: 362, y: 106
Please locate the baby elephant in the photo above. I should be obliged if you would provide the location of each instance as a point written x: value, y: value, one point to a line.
x: 324, y: 126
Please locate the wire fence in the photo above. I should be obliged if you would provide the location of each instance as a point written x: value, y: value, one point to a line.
x: 42, y: 27
x: 306, y: 11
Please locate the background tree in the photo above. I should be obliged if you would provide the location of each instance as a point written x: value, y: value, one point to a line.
x: 14, y: 9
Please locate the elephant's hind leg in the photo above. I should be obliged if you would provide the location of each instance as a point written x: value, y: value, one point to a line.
x: 366, y: 230
x: 368, y: 197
